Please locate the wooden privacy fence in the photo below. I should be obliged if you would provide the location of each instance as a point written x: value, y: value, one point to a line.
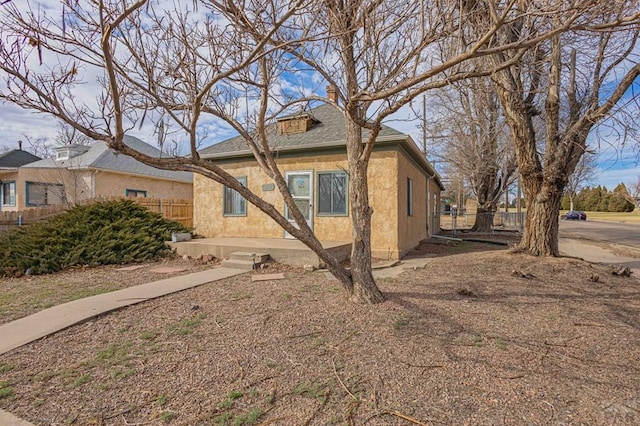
x: 179, y: 210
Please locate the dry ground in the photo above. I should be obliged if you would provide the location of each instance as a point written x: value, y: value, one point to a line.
x: 482, y: 338
x: 26, y: 295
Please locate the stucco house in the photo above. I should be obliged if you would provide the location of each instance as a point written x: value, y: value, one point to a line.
x: 10, y: 162
x: 80, y: 172
x: 310, y: 150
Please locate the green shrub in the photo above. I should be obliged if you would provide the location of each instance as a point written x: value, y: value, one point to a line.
x: 110, y: 232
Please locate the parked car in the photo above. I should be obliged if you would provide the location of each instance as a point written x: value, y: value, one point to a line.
x: 574, y: 215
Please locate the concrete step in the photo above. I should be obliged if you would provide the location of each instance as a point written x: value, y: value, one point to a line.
x: 246, y: 265
x: 253, y: 256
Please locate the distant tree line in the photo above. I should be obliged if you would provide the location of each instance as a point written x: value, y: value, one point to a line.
x: 600, y: 199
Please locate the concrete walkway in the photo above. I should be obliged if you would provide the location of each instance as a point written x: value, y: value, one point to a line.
x: 33, y: 327
x: 49, y: 321
x: 591, y: 252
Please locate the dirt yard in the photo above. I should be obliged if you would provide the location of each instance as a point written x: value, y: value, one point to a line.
x: 479, y: 336
x: 26, y: 295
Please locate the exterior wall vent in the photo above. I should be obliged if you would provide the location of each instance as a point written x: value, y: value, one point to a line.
x: 69, y: 151
x: 298, y: 123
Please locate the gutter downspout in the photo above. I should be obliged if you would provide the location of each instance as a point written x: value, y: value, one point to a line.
x: 93, y: 184
x: 430, y: 217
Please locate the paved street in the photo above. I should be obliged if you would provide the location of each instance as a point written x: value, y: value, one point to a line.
x: 619, y: 233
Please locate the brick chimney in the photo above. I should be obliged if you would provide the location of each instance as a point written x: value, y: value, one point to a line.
x: 332, y: 93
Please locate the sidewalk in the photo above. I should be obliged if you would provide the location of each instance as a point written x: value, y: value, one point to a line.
x: 33, y: 327
x: 591, y: 252
x: 49, y: 321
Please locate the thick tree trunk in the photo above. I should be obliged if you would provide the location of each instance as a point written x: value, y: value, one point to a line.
x: 540, y: 236
x: 484, y: 219
x: 364, y: 288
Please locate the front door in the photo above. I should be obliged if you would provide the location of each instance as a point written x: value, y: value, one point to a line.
x: 301, y: 188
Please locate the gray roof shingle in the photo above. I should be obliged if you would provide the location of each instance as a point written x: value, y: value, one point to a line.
x: 99, y: 156
x: 16, y: 158
x: 329, y: 130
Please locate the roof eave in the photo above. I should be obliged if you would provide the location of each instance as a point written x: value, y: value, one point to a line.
x: 421, y: 159
x: 163, y: 178
x: 405, y: 140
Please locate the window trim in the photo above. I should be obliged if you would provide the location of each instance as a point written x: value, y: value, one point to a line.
x: 409, y: 197
x: 346, y: 192
x: 63, y: 154
x: 226, y: 189
x: 63, y: 198
x: 2, y: 194
x: 128, y: 191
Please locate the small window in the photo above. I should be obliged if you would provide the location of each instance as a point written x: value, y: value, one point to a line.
x: 332, y: 194
x: 234, y: 203
x: 135, y: 193
x: 409, y: 197
x: 8, y: 190
x: 45, y: 194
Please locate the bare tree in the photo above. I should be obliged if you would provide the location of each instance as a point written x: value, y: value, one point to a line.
x: 584, y: 173
x: 631, y: 193
x: 42, y: 147
x: 69, y: 135
x: 476, y: 143
x: 207, y: 58
x: 569, y: 83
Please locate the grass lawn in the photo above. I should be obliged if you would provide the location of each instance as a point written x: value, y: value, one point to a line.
x: 631, y: 217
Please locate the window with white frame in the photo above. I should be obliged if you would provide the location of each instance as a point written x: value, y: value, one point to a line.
x: 409, y: 197
x: 8, y: 190
x: 62, y: 154
x: 45, y: 194
x: 332, y: 193
x: 234, y: 203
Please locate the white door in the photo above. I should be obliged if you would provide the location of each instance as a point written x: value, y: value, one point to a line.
x: 301, y: 188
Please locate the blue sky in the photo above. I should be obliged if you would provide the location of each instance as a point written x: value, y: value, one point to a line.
x: 617, y: 164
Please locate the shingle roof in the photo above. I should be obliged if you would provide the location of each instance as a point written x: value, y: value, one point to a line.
x: 330, y: 130
x: 99, y: 156
x: 16, y: 158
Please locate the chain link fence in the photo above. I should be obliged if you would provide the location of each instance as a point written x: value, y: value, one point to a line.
x: 501, y: 220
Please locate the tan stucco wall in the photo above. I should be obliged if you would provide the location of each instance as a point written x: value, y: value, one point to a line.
x: 411, y: 229
x: 109, y: 184
x: 74, y: 186
x: 208, y: 202
x: 86, y: 184
x: 393, y: 233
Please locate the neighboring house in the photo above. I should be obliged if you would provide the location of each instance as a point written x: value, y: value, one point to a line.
x: 404, y: 189
x: 10, y: 161
x: 80, y: 172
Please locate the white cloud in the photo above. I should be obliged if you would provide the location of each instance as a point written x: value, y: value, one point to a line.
x: 611, y: 178
x: 16, y: 122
